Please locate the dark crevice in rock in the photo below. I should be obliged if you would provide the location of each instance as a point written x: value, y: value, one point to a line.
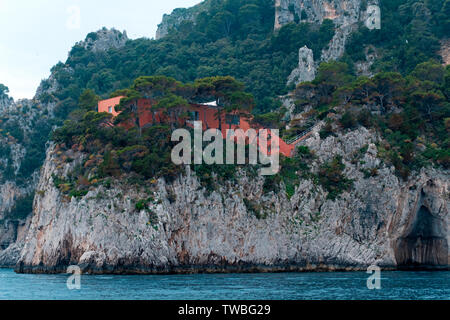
x: 425, y: 244
x: 8, y: 233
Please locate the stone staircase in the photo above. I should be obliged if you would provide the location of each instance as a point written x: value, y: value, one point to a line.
x: 304, y: 135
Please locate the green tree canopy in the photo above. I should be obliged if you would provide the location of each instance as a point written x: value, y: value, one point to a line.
x: 3, y: 91
x: 88, y: 100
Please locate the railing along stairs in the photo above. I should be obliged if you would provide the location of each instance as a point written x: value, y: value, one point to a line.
x: 302, y: 135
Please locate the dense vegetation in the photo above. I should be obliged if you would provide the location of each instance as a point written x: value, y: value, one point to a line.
x: 411, y: 113
x: 233, y: 38
x: 4, y: 90
x: 30, y: 127
x: 146, y: 152
x: 406, y: 100
x: 410, y: 35
x: 173, y: 98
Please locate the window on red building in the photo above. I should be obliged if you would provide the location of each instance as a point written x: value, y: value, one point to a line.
x: 195, y: 116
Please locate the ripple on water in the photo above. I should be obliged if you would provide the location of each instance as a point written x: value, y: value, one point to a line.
x: 282, y: 286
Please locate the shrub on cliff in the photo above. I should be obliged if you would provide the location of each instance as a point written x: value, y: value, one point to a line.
x: 332, y: 178
x: 409, y: 110
x: 4, y: 90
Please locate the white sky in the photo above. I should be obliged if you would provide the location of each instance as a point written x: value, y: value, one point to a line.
x: 36, y: 34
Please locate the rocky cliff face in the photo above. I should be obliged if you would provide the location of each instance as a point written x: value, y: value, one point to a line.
x: 445, y: 51
x: 306, y: 70
x: 26, y: 117
x: 5, y: 103
x: 346, y: 14
x: 20, y: 116
x: 11, y: 160
x: 12, y: 237
x: 382, y: 220
x: 104, y: 39
x: 343, y: 12
x: 179, y: 15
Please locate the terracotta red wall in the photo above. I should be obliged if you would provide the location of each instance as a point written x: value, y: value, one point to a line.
x: 145, y: 112
x: 284, y: 148
x: 207, y: 114
x: 104, y: 105
x: 209, y: 117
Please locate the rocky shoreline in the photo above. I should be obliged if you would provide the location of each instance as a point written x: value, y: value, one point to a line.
x: 198, y: 269
x: 215, y: 269
x: 197, y: 232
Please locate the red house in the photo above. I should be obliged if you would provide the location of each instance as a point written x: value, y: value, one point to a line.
x: 206, y: 113
x: 109, y: 106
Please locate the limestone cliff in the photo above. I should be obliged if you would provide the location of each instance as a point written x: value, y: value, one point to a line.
x: 179, y: 15
x: 346, y: 14
x: 238, y: 227
x: 20, y: 122
x: 12, y: 237
x: 306, y: 70
x: 5, y: 102
x: 343, y: 12
x: 382, y: 220
x: 104, y: 39
x: 12, y: 158
x: 444, y: 52
x: 12, y: 152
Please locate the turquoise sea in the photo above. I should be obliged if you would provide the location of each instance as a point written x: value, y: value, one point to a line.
x: 277, y: 286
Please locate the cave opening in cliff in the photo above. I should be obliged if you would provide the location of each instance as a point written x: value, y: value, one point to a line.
x: 425, y: 244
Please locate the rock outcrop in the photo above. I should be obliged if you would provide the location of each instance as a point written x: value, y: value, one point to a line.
x: 5, y: 103
x: 104, y: 39
x: 342, y: 12
x: 444, y: 52
x: 363, y: 68
x: 306, y: 70
x: 11, y: 158
x: 12, y: 238
x: 11, y: 191
x: 346, y: 14
x: 179, y: 15
x: 185, y: 229
x: 28, y: 116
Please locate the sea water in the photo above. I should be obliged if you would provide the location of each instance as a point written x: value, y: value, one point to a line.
x: 279, y: 286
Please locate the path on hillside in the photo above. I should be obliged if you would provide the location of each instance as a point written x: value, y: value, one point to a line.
x: 304, y: 135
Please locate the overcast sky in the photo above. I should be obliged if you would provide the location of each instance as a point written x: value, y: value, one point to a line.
x: 36, y: 34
